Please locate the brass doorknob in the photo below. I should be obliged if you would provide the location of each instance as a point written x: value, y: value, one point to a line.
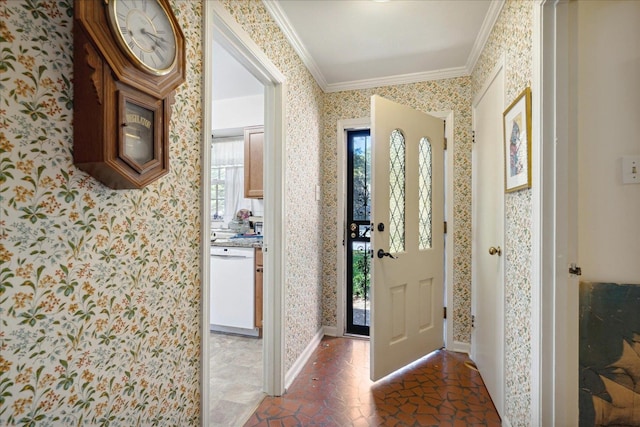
x: 493, y: 251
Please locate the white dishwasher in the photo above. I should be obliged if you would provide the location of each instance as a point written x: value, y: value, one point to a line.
x: 232, y: 290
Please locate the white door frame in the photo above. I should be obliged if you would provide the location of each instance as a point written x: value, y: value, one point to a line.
x: 555, y: 302
x: 219, y: 24
x: 341, y: 270
x: 499, y: 68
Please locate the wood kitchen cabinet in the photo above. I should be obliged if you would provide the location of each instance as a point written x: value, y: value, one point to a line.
x: 253, y: 162
x: 258, y: 291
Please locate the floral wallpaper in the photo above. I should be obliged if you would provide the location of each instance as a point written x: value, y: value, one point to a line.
x: 441, y: 95
x: 304, y: 100
x: 512, y: 36
x: 99, y: 289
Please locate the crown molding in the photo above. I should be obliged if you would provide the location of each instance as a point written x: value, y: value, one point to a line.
x: 483, y: 35
x: 447, y: 73
x: 278, y: 15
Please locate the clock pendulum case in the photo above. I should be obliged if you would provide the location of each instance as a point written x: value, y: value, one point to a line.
x: 129, y: 57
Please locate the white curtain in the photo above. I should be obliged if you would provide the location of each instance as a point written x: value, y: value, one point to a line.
x: 234, y: 193
x: 229, y: 153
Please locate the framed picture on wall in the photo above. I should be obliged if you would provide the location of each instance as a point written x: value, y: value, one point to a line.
x: 517, y: 143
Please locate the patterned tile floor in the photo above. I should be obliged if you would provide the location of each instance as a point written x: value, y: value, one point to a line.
x: 334, y: 389
x: 235, y: 374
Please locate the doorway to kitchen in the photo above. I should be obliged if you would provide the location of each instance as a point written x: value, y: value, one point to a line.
x: 358, y: 234
x: 222, y: 27
x: 235, y: 309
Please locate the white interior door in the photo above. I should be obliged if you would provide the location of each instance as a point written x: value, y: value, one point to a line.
x: 408, y: 237
x: 487, y: 340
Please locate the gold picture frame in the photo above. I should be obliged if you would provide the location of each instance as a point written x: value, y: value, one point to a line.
x: 517, y: 143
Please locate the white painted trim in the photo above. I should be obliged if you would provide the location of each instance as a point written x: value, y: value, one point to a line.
x: 219, y: 24
x: 205, y: 212
x: 494, y: 73
x: 304, y: 357
x: 536, y: 213
x: 278, y: 15
x: 449, y: 155
x: 460, y: 347
x: 483, y: 35
x: 447, y: 73
x: 545, y: 365
x: 341, y: 193
x: 330, y: 331
x: 275, y: 238
x: 498, y: 68
x: 558, y: 315
x: 242, y: 47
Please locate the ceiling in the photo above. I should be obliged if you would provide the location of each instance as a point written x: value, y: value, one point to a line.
x: 230, y: 78
x: 355, y: 44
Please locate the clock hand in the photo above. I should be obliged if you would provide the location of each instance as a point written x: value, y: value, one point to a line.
x: 158, y: 41
x: 153, y: 35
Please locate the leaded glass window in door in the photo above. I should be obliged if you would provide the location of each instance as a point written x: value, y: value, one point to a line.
x: 397, y: 189
x: 425, y: 172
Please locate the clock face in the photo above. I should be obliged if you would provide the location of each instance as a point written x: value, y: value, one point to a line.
x: 145, y: 32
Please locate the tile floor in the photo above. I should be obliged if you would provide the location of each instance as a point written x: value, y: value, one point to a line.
x: 235, y: 378
x: 334, y: 390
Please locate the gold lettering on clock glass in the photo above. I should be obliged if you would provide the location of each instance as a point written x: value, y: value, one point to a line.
x: 138, y: 133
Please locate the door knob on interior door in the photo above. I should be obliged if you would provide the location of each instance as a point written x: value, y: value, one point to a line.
x: 494, y: 251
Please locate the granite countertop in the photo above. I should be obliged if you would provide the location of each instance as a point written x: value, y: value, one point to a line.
x: 239, y: 242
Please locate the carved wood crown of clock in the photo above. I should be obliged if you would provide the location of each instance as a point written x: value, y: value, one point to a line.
x: 129, y: 59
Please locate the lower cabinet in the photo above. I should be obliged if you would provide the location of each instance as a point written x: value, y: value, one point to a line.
x: 258, y: 292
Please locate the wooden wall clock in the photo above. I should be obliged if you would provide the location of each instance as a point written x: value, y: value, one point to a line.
x: 129, y: 57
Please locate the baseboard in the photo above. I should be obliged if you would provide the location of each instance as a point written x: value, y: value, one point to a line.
x: 303, y: 359
x: 330, y: 331
x: 460, y: 347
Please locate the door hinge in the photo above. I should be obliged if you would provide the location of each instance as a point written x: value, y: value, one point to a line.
x: 445, y: 143
x: 473, y: 321
x: 445, y: 312
x: 445, y: 227
x: 473, y: 136
x: 574, y: 269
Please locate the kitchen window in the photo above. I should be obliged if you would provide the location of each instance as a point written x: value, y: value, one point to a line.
x: 217, y: 192
x: 227, y: 180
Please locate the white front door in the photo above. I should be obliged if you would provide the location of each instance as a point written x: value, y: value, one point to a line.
x: 408, y: 235
x: 487, y: 339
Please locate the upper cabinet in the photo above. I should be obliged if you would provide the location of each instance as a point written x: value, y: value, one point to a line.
x: 253, y: 162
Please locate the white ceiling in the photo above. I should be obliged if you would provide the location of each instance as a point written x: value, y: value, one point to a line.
x: 354, y: 44
x: 230, y: 78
